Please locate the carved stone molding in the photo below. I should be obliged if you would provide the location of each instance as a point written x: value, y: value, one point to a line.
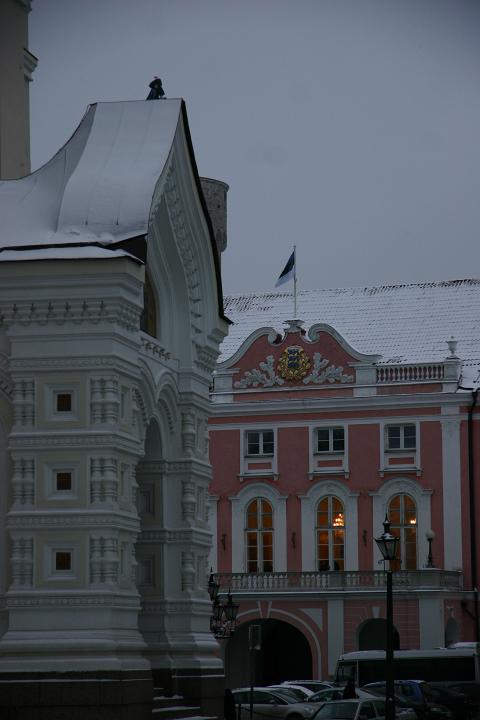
x: 103, y: 480
x: 123, y: 522
x: 24, y: 402
x: 89, y: 599
x: 183, y: 239
x: 77, y: 312
x: 104, y: 399
x: 188, y: 571
x: 193, y: 536
x: 104, y: 560
x: 266, y: 374
x: 23, y: 483
x: 21, y: 562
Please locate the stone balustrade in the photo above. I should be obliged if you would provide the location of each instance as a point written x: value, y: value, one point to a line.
x: 348, y: 581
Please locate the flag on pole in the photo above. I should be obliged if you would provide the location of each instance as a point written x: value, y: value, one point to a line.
x: 288, y: 271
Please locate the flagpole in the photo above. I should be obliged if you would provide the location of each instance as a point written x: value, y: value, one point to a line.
x: 295, y: 282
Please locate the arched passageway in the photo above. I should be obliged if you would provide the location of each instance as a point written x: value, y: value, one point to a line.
x: 285, y: 655
x: 372, y: 635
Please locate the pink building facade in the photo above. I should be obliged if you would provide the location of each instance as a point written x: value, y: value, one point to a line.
x: 319, y: 430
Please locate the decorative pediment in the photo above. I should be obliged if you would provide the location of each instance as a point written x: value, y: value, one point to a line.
x: 321, y: 357
x: 294, y: 365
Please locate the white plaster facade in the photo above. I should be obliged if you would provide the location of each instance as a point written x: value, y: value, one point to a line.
x: 104, y: 534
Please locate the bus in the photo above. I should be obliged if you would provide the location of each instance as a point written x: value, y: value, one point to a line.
x: 457, y: 662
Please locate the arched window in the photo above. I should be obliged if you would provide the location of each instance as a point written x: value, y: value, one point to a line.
x: 259, y: 536
x: 402, y: 513
x: 330, y: 532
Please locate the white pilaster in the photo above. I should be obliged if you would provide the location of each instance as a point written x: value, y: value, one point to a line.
x: 452, y: 501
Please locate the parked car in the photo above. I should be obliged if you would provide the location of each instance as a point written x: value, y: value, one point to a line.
x: 313, y: 685
x: 470, y: 688
x: 272, y: 703
x: 336, y: 693
x: 300, y: 693
x: 423, y: 693
x: 405, y: 706
x: 373, y: 709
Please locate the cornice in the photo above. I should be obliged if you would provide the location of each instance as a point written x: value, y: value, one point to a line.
x: 78, y: 440
x: 77, y: 311
x: 85, y: 362
x: 39, y: 599
x: 183, y: 536
x: 292, y: 406
x: 72, y: 519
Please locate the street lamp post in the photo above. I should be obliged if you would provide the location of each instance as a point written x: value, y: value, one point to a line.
x: 387, y: 544
x: 430, y: 535
x: 223, y: 619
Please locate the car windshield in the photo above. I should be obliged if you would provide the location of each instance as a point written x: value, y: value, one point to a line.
x: 296, y: 694
x: 338, y: 709
x: 285, y: 695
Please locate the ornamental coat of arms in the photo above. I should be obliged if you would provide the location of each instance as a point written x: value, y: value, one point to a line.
x: 294, y: 363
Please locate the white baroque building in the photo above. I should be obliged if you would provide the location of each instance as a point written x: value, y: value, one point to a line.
x: 111, y: 320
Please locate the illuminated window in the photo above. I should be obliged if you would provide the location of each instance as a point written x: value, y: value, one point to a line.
x: 330, y: 532
x: 259, y: 536
x: 402, y: 513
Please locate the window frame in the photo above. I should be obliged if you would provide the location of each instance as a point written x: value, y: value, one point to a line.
x: 401, y: 448
x: 329, y: 528
x: 330, y: 451
x: 261, y: 443
x: 259, y: 531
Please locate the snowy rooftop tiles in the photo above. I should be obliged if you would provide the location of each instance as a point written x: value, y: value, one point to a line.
x: 402, y: 323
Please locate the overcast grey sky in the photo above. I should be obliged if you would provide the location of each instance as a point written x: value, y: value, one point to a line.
x: 347, y: 127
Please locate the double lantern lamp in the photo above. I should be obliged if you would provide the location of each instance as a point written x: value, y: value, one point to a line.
x: 223, y: 619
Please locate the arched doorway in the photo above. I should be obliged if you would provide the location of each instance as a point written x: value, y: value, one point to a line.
x: 285, y: 655
x: 372, y: 635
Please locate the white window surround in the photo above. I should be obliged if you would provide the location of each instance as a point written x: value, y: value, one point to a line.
x: 50, y: 571
x: 51, y: 471
x: 245, y: 458
x: 51, y: 392
x: 309, y: 503
x: 314, y: 455
x: 381, y: 499
x: 385, y: 454
x: 239, y: 506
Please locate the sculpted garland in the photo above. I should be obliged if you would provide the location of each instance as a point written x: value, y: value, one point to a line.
x: 294, y: 365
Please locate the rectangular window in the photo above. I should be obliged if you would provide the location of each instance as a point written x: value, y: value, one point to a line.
x: 260, y: 442
x: 64, y: 402
x: 63, y: 560
x: 401, y: 437
x: 63, y: 481
x: 331, y: 440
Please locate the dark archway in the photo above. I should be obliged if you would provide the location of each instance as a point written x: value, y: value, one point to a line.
x: 452, y: 632
x: 372, y: 635
x: 285, y: 655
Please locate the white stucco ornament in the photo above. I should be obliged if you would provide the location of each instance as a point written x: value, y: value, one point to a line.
x: 293, y: 365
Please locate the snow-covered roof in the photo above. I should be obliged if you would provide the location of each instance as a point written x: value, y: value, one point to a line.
x: 402, y: 323
x: 98, y: 188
